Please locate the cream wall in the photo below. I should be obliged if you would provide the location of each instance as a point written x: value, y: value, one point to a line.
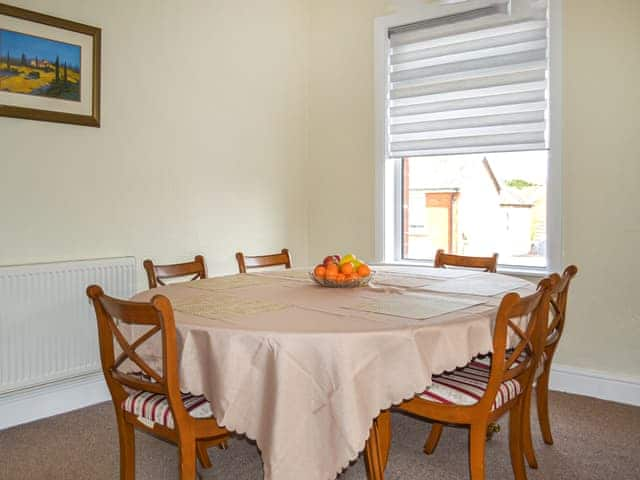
x: 602, y: 183
x: 341, y: 168
x: 202, y: 146
x: 601, y: 187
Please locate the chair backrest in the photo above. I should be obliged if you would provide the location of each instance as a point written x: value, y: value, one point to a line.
x: 112, y: 315
x: 520, y: 320
x: 487, y: 264
x: 245, y: 262
x: 156, y: 274
x: 558, y: 305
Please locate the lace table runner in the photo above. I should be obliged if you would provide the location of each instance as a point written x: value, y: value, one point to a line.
x: 225, y: 306
x: 385, y: 278
x: 301, y: 275
x: 482, y: 284
x: 239, y: 280
x: 416, y: 307
x: 426, y: 272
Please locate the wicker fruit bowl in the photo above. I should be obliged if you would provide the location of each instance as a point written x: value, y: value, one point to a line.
x: 356, y: 282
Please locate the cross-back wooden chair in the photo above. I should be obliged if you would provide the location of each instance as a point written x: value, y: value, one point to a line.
x: 148, y: 399
x: 552, y: 333
x: 260, y: 261
x: 487, y: 264
x: 475, y: 395
x: 156, y: 274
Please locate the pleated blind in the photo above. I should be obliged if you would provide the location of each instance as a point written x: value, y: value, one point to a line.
x: 462, y: 88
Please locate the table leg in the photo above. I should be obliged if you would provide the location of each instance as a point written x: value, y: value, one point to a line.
x: 376, y: 452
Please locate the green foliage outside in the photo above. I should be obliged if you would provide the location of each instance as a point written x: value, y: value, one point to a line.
x: 519, y: 183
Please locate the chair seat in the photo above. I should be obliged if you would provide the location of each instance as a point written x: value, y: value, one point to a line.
x: 465, y: 386
x: 486, y: 361
x: 154, y: 407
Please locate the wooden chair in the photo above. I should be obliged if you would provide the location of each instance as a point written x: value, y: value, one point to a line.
x: 157, y: 273
x: 261, y: 261
x: 552, y: 334
x: 149, y: 400
x: 488, y: 264
x: 477, y: 394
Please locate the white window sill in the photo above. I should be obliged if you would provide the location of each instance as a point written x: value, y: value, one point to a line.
x: 538, y: 273
x: 532, y: 273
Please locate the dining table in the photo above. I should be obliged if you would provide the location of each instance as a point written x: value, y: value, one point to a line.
x: 310, y: 373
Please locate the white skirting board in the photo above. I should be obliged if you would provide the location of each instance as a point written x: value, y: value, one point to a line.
x: 592, y: 383
x: 45, y: 401
x: 53, y: 399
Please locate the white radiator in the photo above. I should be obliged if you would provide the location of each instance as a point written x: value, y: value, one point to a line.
x: 47, y: 325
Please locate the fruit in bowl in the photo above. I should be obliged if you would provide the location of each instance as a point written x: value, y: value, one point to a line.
x: 331, y: 259
x: 345, y: 271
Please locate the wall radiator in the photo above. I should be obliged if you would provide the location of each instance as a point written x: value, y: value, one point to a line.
x: 47, y: 325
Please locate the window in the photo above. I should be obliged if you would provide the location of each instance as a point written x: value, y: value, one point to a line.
x: 466, y: 125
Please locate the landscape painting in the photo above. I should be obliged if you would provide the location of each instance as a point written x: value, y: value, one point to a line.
x: 49, y: 68
x: 33, y: 65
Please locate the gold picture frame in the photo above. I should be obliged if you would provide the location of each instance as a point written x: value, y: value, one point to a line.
x: 49, y: 68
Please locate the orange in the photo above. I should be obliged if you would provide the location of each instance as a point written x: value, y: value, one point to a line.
x: 347, y: 268
x: 331, y: 270
x: 364, y: 270
x: 340, y: 277
x: 320, y: 271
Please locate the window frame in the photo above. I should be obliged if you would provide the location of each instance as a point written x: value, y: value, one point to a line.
x: 388, y: 171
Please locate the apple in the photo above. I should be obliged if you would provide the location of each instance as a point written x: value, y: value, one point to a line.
x: 329, y: 260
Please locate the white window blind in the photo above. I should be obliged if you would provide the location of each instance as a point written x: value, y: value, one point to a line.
x: 465, y: 87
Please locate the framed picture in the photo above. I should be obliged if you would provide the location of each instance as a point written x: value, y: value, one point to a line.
x: 49, y: 68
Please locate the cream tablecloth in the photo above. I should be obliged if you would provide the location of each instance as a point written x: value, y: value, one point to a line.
x: 303, y: 370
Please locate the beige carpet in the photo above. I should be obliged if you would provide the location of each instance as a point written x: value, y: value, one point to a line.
x: 594, y: 439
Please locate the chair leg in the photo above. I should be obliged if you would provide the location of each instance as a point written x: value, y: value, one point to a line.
x: 527, y: 441
x: 127, y: 438
x: 203, y: 455
x: 515, y: 441
x: 433, y: 439
x: 187, y: 458
x: 477, y: 442
x: 542, y: 400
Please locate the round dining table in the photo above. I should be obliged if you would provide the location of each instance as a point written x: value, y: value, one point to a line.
x: 310, y: 372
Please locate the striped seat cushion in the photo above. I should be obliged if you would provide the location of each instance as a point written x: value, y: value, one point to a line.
x: 154, y: 407
x: 486, y: 361
x: 465, y: 386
